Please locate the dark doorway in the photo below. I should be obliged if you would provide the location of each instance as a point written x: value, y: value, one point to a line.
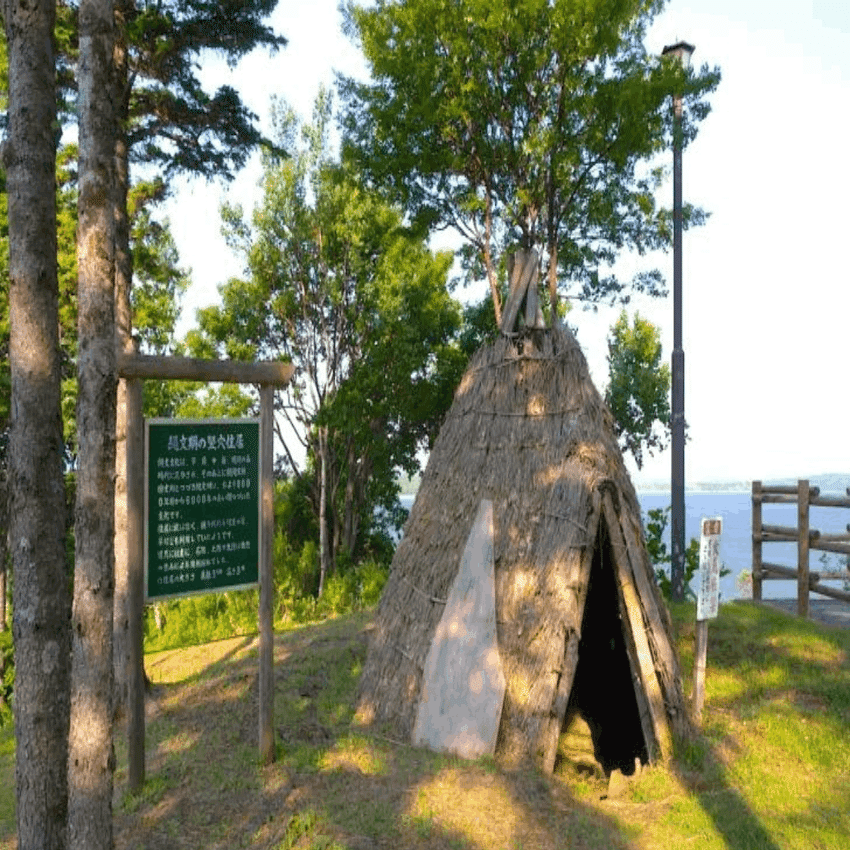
x: 603, y: 691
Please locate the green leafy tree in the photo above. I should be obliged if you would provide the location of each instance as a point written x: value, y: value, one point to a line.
x: 337, y: 284
x: 170, y: 124
x: 638, y: 391
x: 531, y: 125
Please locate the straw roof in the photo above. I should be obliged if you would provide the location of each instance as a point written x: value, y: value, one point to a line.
x: 529, y: 431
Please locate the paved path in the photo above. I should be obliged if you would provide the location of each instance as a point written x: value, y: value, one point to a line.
x: 830, y: 612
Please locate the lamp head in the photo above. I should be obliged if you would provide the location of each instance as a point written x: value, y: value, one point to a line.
x: 681, y: 50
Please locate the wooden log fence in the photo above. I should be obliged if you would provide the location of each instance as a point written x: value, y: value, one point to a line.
x: 806, y: 538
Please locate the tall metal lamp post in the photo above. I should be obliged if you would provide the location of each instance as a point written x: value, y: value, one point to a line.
x: 682, y: 51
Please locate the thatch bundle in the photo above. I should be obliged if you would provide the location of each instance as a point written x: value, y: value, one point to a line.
x: 581, y: 626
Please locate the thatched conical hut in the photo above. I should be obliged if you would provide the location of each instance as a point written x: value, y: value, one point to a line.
x: 581, y: 625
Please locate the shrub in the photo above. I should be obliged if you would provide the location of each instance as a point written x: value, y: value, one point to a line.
x: 7, y: 676
x: 371, y: 577
x: 654, y: 528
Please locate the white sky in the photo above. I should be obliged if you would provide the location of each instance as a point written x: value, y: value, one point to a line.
x: 766, y: 282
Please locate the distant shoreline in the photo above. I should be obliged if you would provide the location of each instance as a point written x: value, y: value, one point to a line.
x: 828, y: 483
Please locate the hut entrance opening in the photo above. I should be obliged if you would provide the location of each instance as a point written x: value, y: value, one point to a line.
x: 602, y: 704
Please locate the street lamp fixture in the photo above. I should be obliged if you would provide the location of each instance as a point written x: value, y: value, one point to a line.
x: 681, y: 51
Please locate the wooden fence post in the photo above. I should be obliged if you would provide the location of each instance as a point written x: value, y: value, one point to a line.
x: 267, y: 745
x: 803, y: 548
x: 757, y: 570
x: 135, y: 586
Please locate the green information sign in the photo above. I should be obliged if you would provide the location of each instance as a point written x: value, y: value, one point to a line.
x: 202, y: 504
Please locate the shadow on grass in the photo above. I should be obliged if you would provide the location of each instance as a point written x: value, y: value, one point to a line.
x: 766, y: 662
x: 734, y: 820
x: 333, y: 785
x: 339, y: 786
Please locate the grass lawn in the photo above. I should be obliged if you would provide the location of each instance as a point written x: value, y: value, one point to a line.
x: 770, y: 770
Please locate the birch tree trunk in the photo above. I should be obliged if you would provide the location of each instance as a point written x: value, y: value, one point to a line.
x: 91, y: 760
x: 37, y: 495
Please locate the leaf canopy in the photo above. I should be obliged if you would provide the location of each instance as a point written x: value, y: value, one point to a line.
x: 522, y: 124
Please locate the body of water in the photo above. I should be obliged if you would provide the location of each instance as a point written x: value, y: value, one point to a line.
x: 735, y: 509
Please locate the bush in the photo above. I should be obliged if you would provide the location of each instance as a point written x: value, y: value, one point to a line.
x: 339, y: 594
x: 654, y: 527
x: 7, y: 676
x: 200, y: 619
x: 371, y: 580
x: 295, y: 564
x: 661, y: 558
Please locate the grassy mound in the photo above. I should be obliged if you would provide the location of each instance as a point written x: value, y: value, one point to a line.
x: 771, y: 768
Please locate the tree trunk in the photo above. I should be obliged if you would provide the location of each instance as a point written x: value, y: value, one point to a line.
x: 37, y: 503
x: 359, y: 471
x: 91, y: 760
x: 324, y: 540
x: 124, y: 343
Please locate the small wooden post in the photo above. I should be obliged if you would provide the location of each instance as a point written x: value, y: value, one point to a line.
x: 757, y: 573
x: 700, y: 654
x: 803, y: 548
x: 135, y: 586
x: 267, y: 746
x: 707, y: 604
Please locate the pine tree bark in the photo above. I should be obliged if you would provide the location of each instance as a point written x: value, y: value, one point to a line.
x: 124, y: 343
x: 91, y: 761
x: 37, y: 496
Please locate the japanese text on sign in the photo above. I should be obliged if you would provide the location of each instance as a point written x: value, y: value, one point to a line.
x: 709, y: 569
x: 202, y: 524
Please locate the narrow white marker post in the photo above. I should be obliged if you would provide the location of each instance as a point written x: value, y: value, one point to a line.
x: 707, y: 603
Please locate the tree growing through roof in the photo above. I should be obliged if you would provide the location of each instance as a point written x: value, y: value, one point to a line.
x: 337, y: 284
x: 528, y: 125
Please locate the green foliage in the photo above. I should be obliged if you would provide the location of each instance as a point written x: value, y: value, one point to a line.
x: 7, y: 676
x: 371, y: 577
x: 659, y: 555
x: 199, y: 619
x: 173, y: 124
x: 533, y: 124
x: 340, y: 286
x: 352, y: 586
x: 638, y: 386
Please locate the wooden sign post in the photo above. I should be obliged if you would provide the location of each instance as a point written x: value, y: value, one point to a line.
x: 135, y: 369
x: 707, y: 603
